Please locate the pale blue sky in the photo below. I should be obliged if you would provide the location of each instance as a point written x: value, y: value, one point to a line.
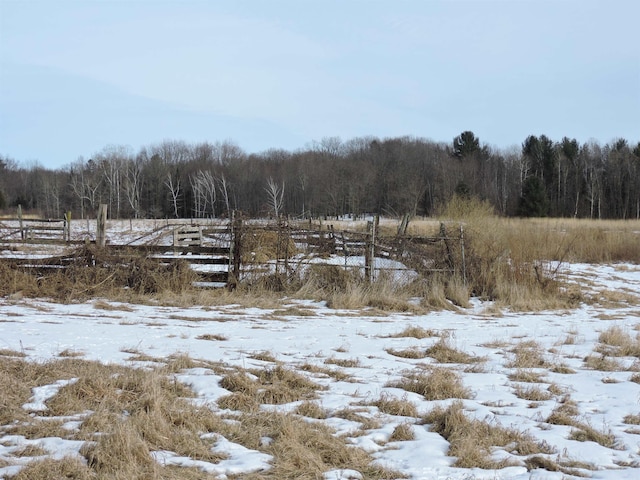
x: 76, y: 76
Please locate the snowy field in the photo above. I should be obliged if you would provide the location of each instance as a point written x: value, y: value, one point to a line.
x: 365, y: 345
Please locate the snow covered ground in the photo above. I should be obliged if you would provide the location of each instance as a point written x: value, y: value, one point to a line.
x: 304, y: 332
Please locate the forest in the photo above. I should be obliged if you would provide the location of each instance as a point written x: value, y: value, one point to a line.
x: 333, y: 178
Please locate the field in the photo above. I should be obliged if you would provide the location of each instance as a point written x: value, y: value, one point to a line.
x: 379, y: 382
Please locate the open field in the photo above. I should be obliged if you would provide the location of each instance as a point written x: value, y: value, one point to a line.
x: 344, y: 385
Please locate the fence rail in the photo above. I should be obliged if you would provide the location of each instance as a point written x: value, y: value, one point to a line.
x: 240, y: 250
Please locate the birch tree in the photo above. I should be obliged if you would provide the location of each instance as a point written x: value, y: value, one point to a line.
x: 275, y: 196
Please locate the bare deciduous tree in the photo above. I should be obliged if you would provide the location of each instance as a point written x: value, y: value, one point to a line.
x: 275, y: 196
x: 174, y: 190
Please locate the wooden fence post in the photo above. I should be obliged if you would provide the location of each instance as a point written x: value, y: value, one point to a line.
x: 101, y: 237
x: 370, y: 249
x: 464, y: 265
x: 235, y: 251
x: 22, y: 235
x: 67, y: 226
x: 443, y: 237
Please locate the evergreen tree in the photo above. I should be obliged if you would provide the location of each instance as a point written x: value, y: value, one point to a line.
x: 463, y: 190
x: 534, y: 201
x: 465, y: 144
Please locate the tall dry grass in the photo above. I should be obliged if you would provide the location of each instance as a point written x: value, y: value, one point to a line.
x: 518, y: 262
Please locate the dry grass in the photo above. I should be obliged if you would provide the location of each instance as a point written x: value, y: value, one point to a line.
x: 159, y: 416
x: 403, y: 433
x: 471, y: 441
x: 212, y: 336
x: 65, y: 468
x: 532, y: 393
x: 302, y: 449
x: 68, y: 353
x: 584, y: 432
x: 567, y: 467
x: 443, y: 352
x: 411, y: 352
x: 276, y: 386
x: 392, y: 405
x: 311, y: 410
x: 434, y: 384
x: 526, y: 376
x: 382, y: 295
x: 567, y: 413
x: 527, y: 354
x: 564, y: 413
x: 603, y: 363
x: 7, y: 352
x: 514, y: 261
x: 415, y: 331
x: 618, y: 342
x: 94, y: 273
x: 343, y: 362
x: 263, y: 356
x: 337, y: 374
x: 632, y: 419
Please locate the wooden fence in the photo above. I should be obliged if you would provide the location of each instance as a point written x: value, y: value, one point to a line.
x: 239, y: 250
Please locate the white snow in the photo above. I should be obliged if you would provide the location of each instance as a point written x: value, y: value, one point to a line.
x: 42, y: 330
x: 44, y: 393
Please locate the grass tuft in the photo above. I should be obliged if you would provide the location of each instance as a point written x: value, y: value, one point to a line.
x: 434, y: 384
x: 443, y: 352
x: 471, y: 441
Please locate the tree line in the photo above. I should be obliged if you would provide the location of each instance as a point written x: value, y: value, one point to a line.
x: 332, y: 178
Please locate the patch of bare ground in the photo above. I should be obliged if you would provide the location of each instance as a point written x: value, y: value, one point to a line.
x: 471, y: 441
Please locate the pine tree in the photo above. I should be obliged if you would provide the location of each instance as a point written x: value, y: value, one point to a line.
x: 534, y: 201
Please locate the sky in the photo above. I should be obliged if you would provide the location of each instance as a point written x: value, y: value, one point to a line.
x: 78, y: 76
